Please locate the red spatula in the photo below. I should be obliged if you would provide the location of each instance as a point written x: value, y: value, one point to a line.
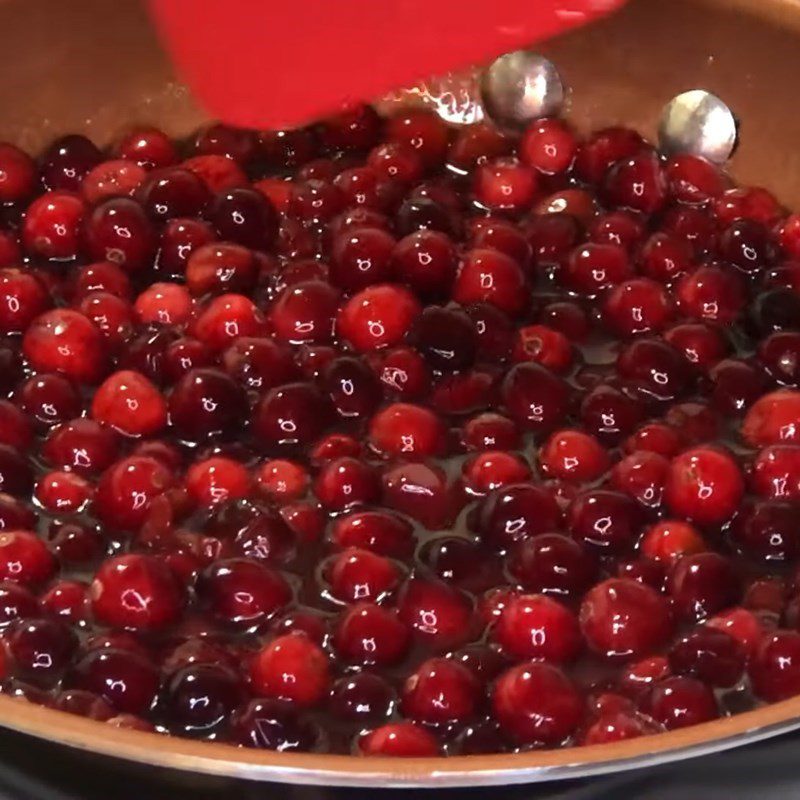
x: 280, y: 63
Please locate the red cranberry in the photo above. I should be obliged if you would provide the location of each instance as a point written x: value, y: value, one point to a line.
x: 258, y: 364
x: 551, y: 237
x: 282, y: 479
x: 135, y: 591
x: 377, y: 316
x: 573, y: 456
x: 378, y: 531
x: 618, y: 726
x: 66, y: 162
x: 671, y: 539
x: 62, y: 492
x: 704, y: 484
x: 637, y: 183
x: 15, y: 427
x: 603, y: 520
x: 665, y: 257
x: 780, y: 355
x: 592, y: 267
x: 776, y: 472
x: 291, y: 667
x: 148, y: 147
x: 219, y: 173
x: 679, y: 701
x: 746, y: 202
x: 505, y: 184
x: 52, y: 224
x: 772, y: 419
x: 700, y: 344
x: 289, y: 416
x: 67, y: 600
x: 65, y: 341
x: 363, y: 697
x: 346, y: 482
x: 403, y: 429
x: 536, y: 703
x: 609, y: 414
x: 22, y: 298
x: 104, y: 276
x: 24, y: 558
x: 15, y: 515
x: 361, y: 257
x: 16, y: 602
x: 180, y: 238
x: 490, y: 431
x: 40, y: 650
x: 703, y: 584
x: 493, y: 469
x: 117, y: 178
x: 439, y: 614
x: 712, y: 293
x: 622, y: 618
x: 170, y: 193
x: 127, y: 488
x: 440, y: 691
x: 552, y: 564
x: 216, y: 480
x: 126, y: 680
x: 502, y: 235
x: 774, y: 669
x: 602, y: 149
x: 543, y: 345
x: 128, y: 402
x: 352, y: 387
x: 489, y: 276
x: 399, y: 739
x: 370, y: 634
x: 475, y: 144
x: 549, y: 146
x: 396, y: 161
x: 81, y: 445
x: 693, y: 180
x: 426, y: 261
x: 736, y: 385
x: 534, y: 626
x: 423, y: 131
x: 636, y: 306
x: 17, y: 174
x: 711, y: 655
x: 515, y: 513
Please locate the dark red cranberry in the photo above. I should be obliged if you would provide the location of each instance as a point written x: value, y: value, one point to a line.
x: 446, y: 337
x: 379, y: 531
x: 424, y: 213
x: 747, y: 245
x: 702, y: 584
x: 270, y: 724
x: 552, y: 564
x: 605, y: 521
x: 767, y: 531
x: 494, y: 331
x: 711, y: 292
x: 746, y: 202
x: 437, y: 613
x: 535, y: 397
x: 638, y: 183
x: 516, y: 513
x: 245, y: 216
x: 461, y: 562
x: 16, y: 477
x: 609, y: 414
x: 623, y: 229
x: 66, y: 162
x: 16, y: 603
x: 198, y: 700
x: 501, y: 235
x: 736, y: 385
x: 179, y: 238
x: 173, y: 192
x: 440, y: 691
x: 206, y: 402
x: 622, y: 618
x: 352, y: 387
x: 776, y: 310
x: 290, y: 415
x: 665, y: 257
x: 593, y: 267
x: 305, y: 312
x: 711, y: 655
x: 426, y: 261
x: 361, y: 257
x: 602, y: 149
x: 490, y: 431
x: 117, y: 230
x: 679, y: 701
x: 126, y: 680
x: 223, y: 140
x: 489, y: 276
x: 475, y: 144
x: 551, y: 237
x: 654, y: 370
x: 423, y: 131
x: 363, y: 697
x: 40, y: 649
x: 780, y: 354
x: 149, y: 147
x: 774, y: 668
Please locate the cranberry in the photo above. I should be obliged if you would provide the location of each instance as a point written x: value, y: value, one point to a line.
x: 654, y: 369
x: 437, y: 613
x: 24, y: 558
x: 704, y: 484
x: 665, y: 257
x: 126, y: 680
x: 621, y: 618
x: 502, y: 235
x: 636, y: 306
x: 490, y: 431
x: 637, y: 183
x: 22, y: 298
x: 573, y: 456
x: 549, y: 146
x: 493, y: 469
x: 535, y: 703
x: 535, y: 397
x: 774, y: 668
x: 505, y: 184
x: 258, y: 364
x: 426, y: 261
x: 736, y: 385
x: 205, y: 402
x: 128, y: 402
x: 593, y: 267
x: 677, y: 702
x: 67, y: 161
x: 51, y: 228
x: 711, y: 655
x: 603, y: 520
x: 440, y: 691
x: 245, y: 216
x: 711, y: 293
x: 290, y: 415
x: 602, y: 149
x: 515, y: 513
x: 492, y: 277
x: 148, y: 147
x: 422, y: 131
x: 670, y: 539
x: 16, y: 602
x: 378, y: 531
x: 117, y: 230
x: 352, y: 387
x: 346, y: 482
x: 40, y: 650
x: 405, y: 429
x: 609, y: 413
x: 552, y: 564
x: 767, y: 531
x: 747, y: 202
x: 17, y: 174
x: 776, y: 472
x: 370, y: 634
x: 81, y: 445
x: 16, y: 429
x: 543, y: 345
x: 377, y: 316
x: 772, y: 419
x: 550, y: 238
x: 693, y: 180
x: 271, y: 725
x: 363, y: 697
x: 534, y: 626
x: 127, y: 488
x: 703, y: 584
x: 399, y: 739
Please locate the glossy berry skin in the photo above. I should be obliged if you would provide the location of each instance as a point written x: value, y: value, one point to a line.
x: 52, y: 226
x: 573, y: 456
x: 772, y: 419
x: 24, y: 558
x: 370, y: 634
x: 534, y: 626
x: 441, y: 691
x: 399, y: 740
x: 623, y: 619
x: 136, y: 592
x: 774, y: 668
x: 363, y: 697
x: 293, y: 668
x: 489, y: 276
x: 515, y: 513
x: 118, y: 230
x: 677, y: 702
x: 376, y: 317
x: 128, y: 402
x: 536, y: 704
x: 704, y: 485
x: 703, y: 584
x: 402, y: 429
x: 505, y: 185
x: 709, y: 654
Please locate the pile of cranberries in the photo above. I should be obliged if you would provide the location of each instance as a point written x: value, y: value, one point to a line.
x: 387, y: 438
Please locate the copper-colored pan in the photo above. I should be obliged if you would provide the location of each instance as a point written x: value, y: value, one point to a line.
x: 68, y: 68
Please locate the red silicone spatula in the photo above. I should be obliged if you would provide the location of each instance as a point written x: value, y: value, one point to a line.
x: 280, y: 63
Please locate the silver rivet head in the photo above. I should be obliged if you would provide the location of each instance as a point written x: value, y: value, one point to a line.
x: 700, y: 124
x: 519, y: 87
